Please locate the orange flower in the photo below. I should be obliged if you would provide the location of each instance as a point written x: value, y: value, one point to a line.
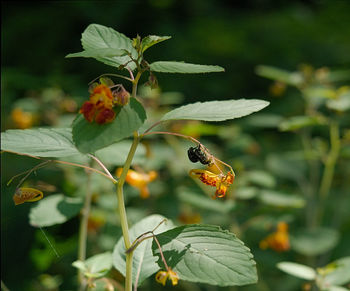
x: 279, y: 240
x: 22, y: 119
x: 139, y: 180
x: 162, y: 276
x: 220, y: 181
x: 100, y: 105
x: 27, y: 195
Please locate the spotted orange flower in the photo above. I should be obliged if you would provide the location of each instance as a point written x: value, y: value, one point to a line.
x: 220, y: 181
x: 279, y: 240
x: 27, y: 195
x: 139, y: 180
x: 100, y: 105
x: 162, y: 276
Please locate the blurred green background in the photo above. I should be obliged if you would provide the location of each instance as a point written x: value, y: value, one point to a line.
x: 237, y: 35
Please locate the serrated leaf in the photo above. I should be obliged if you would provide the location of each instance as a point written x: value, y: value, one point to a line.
x: 99, y: 53
x: 279, y: 199
x: 207, y: 254
x: 313, y: 242
x: 151, y: 40
x: 297, y: 270
x: 216, y: 110
x: 98, y: 36
x: 90, y: 137
x: 339, y: 272
x: 183, y: 68
x: 143, y: 255
x: 291, y: 78
x: 41, y: 142
x: 55, y: 209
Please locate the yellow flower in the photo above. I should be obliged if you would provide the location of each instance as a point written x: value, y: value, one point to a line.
x: 27, y: 195
x: 162, y: 276
x: 139, y: 180
x: 220, y: 181
x: 279, y: 240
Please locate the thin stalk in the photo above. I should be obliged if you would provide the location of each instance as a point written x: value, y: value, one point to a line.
x: 122, y: 212
x: 102, y: 166
x: 83, y: 230
x: 113, y: 75
x: 67, y: 163
x: 328, y: 172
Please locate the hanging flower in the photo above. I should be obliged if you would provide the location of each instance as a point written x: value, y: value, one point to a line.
x: 279, y: 240
x: 100, y: 105
x: 162, y: 276
x: 27, y: 195
x: 139, y: 180
x: 220, y: 181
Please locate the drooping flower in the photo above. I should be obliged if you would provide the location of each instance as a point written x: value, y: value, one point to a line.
x: 24, y: 194
x: 279, y: 240
x: 162, y: 276
x: 139, y: 180
x: 100, y: 105
x: 220, y: 181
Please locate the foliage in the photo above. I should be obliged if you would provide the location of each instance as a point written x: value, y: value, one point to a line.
x: 290, y: 160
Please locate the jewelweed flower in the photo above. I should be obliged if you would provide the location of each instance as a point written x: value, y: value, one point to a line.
x: 139, y: 180
x: 162, y: 276
x: 22, y: 119
x: 220, y: 181
x: 279, y: 240
x: 27, y: 195
x: 100, y: 105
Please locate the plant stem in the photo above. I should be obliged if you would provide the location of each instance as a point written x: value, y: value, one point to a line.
x: 122, y: 212
x: 83, y: 229
x: 328, y: 172
x: 135, y: 82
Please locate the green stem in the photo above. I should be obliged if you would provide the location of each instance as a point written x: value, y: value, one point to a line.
x: 135, y: 82
x: 328, y: 172
x: 122, y: 211
x: 83, y: 229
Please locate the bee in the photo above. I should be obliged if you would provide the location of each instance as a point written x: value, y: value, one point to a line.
x: 196, y: 154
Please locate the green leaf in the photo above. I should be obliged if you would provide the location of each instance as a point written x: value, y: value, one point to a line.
x: 98, y: 36
x: 207, y: 254
x: 279, y: 199
x: 96, y: 266
x: 313, y: 242
x: 55, y: 209
x: 291, y: 78
x: 119, y: 151
x: 261, y: 178
x: 183, y: 68
x: 151, y: 40
x: 41, y: 142
x: 338, y: 272
x: 341, y: 104
x: 216, y: 110
x: 298, y: 122
x: 297, y: 270
x: 99, y: 53
x: 90, y: 137
x: 143, y: 256
x: 203, y: 202
x: 336, y: 288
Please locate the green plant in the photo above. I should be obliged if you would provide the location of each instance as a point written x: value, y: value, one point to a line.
x: 195, y: 252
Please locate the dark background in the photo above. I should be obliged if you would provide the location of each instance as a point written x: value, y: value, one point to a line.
x: 237, y: 35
